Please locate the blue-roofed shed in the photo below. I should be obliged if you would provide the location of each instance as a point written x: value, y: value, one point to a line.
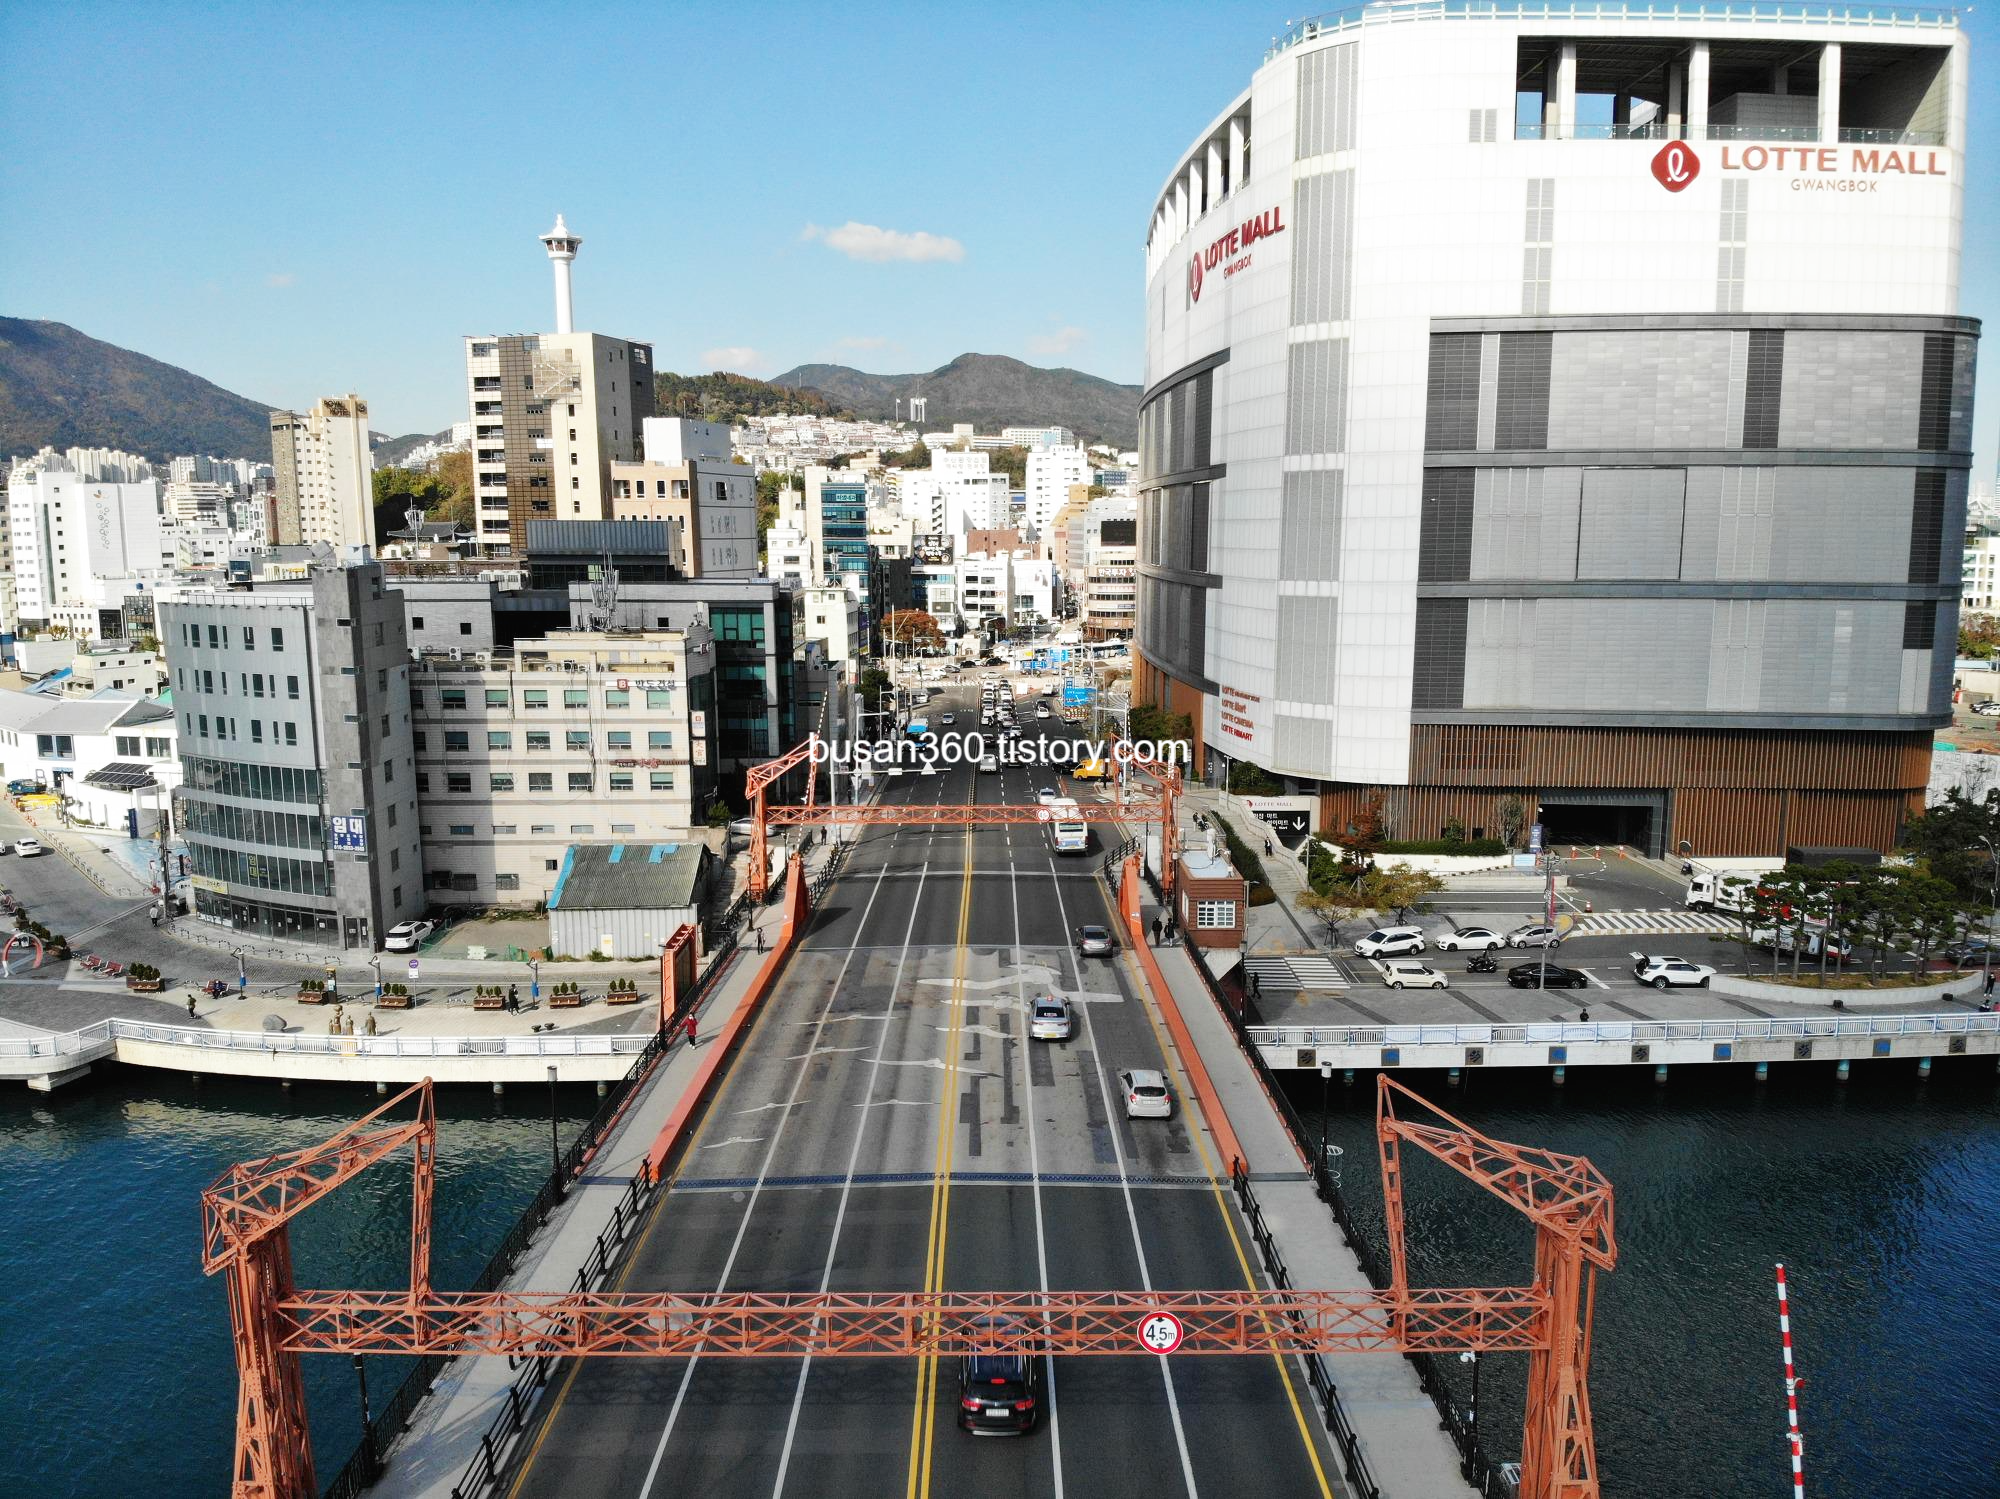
x: 626, y: 899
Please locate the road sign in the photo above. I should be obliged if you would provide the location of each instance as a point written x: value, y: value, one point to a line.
x: 1289, y: 817
x: 1535, y: 839
x: 1161, y: 1333
x: 413, y: 968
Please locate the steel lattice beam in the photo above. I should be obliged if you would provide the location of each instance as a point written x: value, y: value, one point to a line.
x: 908, y: 1324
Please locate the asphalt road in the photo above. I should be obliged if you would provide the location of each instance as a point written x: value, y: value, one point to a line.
x: 826, y: 1162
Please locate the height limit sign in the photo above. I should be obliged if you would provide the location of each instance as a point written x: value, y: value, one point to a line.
x: 1161, y: 1333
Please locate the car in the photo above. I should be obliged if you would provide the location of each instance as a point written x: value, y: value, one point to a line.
x: 1050, y: 1018
x: 1145, y: 1093
x: 1390, y: 942
x: 947, y: 718
x: 988, y: 765
x: 1042, y: 710
x: 28, y: 848
x: 1531, y: 976
x: 1470, y: 939
x: 1095, y: 941
x: 404, y: 936
x: 1970, y: 953
x: 999, y: 1394
x: 23, y: 788
x: 1535, y: 935
x: 744, y: 827
x: 1048, y: 795
x: 1412, y: 976
x: 1988, y: 706
x: 1665, y: 972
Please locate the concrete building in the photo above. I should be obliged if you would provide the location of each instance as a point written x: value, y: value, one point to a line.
x: 199, y: 501
x: 324, y: 468
x: 1110, y: 599
x: 1979, y: 572
x: 551, y: 412
x: 299, y: 799
x: 1613, y: 461
x: 625, y: 900
x: 688, y: 479
x: 111, y: 755
x: 789, y: 557
x: 832, y: 615
x: 1037, y: 437
x: 68, y: 532
x: 571, y: 737
x: 956, y: 494
x: 1052, y: 474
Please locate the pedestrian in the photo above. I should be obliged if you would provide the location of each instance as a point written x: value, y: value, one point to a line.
x: 371, y: 1023
x: 1156, y: 931
x: 1584, y: 1017
x: 1267, y: 847
x: 1256, y: 987
x: 693, y: 1040
x: 760, y: 939
x: 190, y: 1004
x: 156, y: 916
x: 513, y: 998
x: 1989, y: 983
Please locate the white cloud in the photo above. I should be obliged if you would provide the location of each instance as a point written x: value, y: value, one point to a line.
x: 734, y: 358
x: 1059, y: 342
x: 280, y: 278
x: 869, y: 242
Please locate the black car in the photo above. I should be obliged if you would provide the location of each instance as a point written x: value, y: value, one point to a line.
x: 999, y: 1394
x: 1529, y: 976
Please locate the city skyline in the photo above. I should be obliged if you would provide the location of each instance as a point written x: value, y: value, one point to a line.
x: 352, y: 247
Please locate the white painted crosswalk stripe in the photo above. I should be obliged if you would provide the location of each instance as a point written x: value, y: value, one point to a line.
x: 1661, y: 923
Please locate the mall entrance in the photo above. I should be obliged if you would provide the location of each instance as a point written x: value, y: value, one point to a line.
x: 1637, y: 819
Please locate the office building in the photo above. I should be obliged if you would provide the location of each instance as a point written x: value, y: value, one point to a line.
x: 324, y: 468
x: 1111, y: 587
x: 1609, y: 455
x: 299, y: 790
x: 688, y: 479
x: 551, y: 412
x: 1052, y: 474
x: 1979, y: 573
x: 69, y: 532
x: 956, y: 494
x: 1037, y: 437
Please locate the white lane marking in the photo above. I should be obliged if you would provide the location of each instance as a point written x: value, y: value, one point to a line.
x: 736, y: 1140
x: 763, y: 1108
x: 824, y: 1051
x: 743, y: 1225
x: 1593, y: 978
x: 883, y: 1103
x: 837, y: 1020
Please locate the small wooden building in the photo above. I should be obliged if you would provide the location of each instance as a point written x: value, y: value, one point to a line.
x: 1211, y: 900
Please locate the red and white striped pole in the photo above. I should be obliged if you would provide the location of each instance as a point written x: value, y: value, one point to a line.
x: 1791, y: 1392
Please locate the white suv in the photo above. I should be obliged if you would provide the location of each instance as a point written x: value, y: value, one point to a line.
x: 1412, y: 976
x: 1390, y: 942
x: 1662, y: 972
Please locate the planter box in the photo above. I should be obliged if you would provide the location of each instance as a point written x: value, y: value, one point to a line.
x: 395, y: 1002
x: 623, y: 997
x: 490, y: 1002
x: 312, y: 996
x: 145, y: 986
x: 565, y: 1001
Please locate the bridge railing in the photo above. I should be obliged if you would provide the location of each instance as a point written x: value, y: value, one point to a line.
x: 1775, y: 1028
x: 58, y: 1044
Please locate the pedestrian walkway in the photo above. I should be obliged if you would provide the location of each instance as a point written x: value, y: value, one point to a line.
x: 1276, y: 974
x: 1281, y: 926
x: 1652, y: 923
x: 446, y: 1433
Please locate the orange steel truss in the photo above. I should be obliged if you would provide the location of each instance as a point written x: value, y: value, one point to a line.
x: 1569, y: 1202
x: 246, y: 1211
x: 1156, y: 803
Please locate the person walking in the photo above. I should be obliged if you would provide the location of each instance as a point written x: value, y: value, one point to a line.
x: 190, y: 1004
x: 693, y: 1040
x: 1989, y: 983
x: 513, y: 999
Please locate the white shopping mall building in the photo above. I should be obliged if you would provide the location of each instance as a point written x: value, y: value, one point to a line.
x: 1563, y: 413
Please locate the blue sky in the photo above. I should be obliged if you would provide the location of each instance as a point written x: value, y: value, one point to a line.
x: 296, y: 200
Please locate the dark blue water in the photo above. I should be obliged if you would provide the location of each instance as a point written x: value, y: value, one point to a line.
x: 116, y: 1375
x: 1882, y: 1198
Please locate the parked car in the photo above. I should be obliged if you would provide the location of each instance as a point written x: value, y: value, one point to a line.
x: 1988, y: 706
x: 1970, y: 953
x: 1146, y: 1095
x: 1470, y: 939
x: 1531, y: 976
x: 1412, y: 976
x: 1665, y: 972
x: 1536, y: 935
x: 1050, y: 1019
x: 405, y: 936
x: 999, y: 1394
x: 28, y: 848
x: 1095, y: 941
x: 23, y: 788
x: 1390, y: 942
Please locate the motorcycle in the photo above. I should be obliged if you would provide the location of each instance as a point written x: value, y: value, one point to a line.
x: 1483, y: 962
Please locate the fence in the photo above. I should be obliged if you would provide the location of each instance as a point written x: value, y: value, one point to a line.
x: 56, y: 1045
x: 1776, y: 1028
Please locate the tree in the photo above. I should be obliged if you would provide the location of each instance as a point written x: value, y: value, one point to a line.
x: 1246, y: 779
x: 1011, y: 461
x: 912, y: 627
x: 718, y: 813
x: 916, y: 455
x: 1400, y: 889
x: 1946, y: 839
x: 770, y: 485
x: 1365, y: 831
x: 1513, y: 815
x: 1978, y: 635
x: 877, y: 691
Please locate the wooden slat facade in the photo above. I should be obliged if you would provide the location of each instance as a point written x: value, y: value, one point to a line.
x: 1155, y: 688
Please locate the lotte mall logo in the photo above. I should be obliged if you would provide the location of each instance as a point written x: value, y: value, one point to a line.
x: 1676, y: 166
x: 1195, y: 275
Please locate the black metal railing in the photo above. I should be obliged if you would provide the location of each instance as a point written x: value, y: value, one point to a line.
x: 1324, y: 1389
x: 1474, y: 1465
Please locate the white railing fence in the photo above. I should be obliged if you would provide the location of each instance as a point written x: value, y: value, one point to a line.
x: 55, y: 1045
x: 1803, y: 1027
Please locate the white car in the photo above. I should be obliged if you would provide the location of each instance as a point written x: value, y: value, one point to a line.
x: 27, y: 848
x: 1412, y: 976
x: 1989, y: 707
x: 988, y: 766
x: 1048, y: 796
x: 1390, y: 942
x: 1664, y: 972
x: 947, y: 718
x: 404, y: 936
x: 1146, y: 1095
x: 1050, y: 1019
x: 1536, y: 935
x: 1470, y: 939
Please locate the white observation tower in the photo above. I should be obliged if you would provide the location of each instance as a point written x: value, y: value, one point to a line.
x: 562, y: 247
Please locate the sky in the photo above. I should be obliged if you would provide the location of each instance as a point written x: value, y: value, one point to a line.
x: 297, y: 200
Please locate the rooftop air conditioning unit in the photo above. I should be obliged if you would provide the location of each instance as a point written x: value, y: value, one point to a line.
x: 457, y: 654
x: 484, y: 658
x: 571, y: 665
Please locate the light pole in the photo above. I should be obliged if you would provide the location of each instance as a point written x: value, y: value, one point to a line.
x: 376, y: 964
x: 1472, y: 1414
x: 369, y: 1462
x: 1325, y: 1106
x: 555, y: 1144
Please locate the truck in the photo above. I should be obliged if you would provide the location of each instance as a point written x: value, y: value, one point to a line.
x: 1731, y: 894
x: 1783, y: 939
x: 1091, y: 770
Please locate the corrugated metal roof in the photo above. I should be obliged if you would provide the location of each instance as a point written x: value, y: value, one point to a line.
x: 592, y: 538
x: 629, y: 876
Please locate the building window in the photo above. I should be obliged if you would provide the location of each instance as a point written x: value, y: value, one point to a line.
x: 576, y: 697
x: 506, y: 882
x: 277, y: 639
x: 660, y: 780
x: 617, y: 697
x: 659, y: 739
x: 624, y: 827
x: 538, y: 739
x: 499, y: 739
x: 457, y: 741
x: 416, y: 621
x: 621, y: 780
x: 460, y: 830
x: 618, y: 739
x: 1215, y: 915
x: 500, y: 780
x: 127, y: 744
x: 388, y: 770
x: 291, y: 687
x: 249, y: 638
x: 291, y: 733
x: 541, y: 780
x: 581, y: 829
x: 465, y: 627
x: 549, y: 864
x: 535, y: 698
x: 659, y: 697
x: 576, y: 739
x: 543, y: 830
x: 580, y: 780
x: 496, y: 697
x: 423, y: 787
x: 451, y: 697
x: 505, y: 829
x: 159, y: 749
x: 419, y: 742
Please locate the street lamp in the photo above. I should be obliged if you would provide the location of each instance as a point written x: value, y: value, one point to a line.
x: 1472, y: 1412
x: 555, y: 1144
x: 1325, y: 1106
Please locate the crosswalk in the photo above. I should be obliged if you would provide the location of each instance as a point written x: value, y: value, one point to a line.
x: 1287, y: 973
x: 1651, y: 923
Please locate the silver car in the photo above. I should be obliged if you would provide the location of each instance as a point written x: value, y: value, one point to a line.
x: 1095, y: 942
x: 1050, y: 1019
x: 1535, y: 936
x: 1146, y: 1094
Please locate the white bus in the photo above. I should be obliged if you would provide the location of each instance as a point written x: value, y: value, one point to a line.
x: 1068, y: 832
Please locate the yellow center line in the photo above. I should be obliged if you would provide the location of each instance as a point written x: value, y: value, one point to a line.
x: 923, y: 1416
x: 1141, y: 988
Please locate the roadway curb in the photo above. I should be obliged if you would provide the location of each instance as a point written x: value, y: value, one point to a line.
x: 1191, y: 1062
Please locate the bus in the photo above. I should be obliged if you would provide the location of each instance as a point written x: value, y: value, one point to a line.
x: 1068, y: 832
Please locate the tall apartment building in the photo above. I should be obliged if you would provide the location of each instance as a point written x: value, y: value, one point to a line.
x: 69, y: 533
x: 571, y: 737
x: 1571, y: 407
x: 299, y: 789
x: 1110, y: 599
x: 1052, y: 473
x: 688, y: 479
x: 324, y: 468
x: 956, y: 494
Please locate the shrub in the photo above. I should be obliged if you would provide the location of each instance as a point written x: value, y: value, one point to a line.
x: 1485, y: 847
x: 144, y: 972
x: 1246, y: 779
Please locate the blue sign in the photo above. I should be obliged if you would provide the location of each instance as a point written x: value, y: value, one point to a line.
x: 1076, y: 694
x: 350, y: 833
x: 1535, y: 839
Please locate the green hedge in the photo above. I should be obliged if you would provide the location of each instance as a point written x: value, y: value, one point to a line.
x: 1483, y: 847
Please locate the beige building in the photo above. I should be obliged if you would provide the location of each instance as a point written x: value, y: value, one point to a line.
x: 575, y: 737
x: 1110, y: 603
x: 325, y: 472
x: 551, y: 412
x: 689, y: 480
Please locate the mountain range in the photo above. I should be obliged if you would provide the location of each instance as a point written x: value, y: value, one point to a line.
x: 989, y: 390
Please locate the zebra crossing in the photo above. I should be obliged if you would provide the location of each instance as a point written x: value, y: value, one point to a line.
x: 1287, y: 973
x: 1651, y: 923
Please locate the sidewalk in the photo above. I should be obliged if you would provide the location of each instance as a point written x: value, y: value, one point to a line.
x: 444, y: 1435
x: 1281, y: 926
x: 1396, y: 1422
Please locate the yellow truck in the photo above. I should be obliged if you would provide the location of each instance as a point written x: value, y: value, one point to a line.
x: 1091, y: 770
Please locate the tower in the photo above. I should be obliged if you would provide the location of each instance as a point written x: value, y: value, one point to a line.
x: 562, y: 247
